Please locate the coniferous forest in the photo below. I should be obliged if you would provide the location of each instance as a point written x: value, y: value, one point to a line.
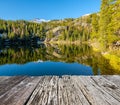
x: 102, y: 27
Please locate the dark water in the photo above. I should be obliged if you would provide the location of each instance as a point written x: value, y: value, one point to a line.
x: 57, y: 60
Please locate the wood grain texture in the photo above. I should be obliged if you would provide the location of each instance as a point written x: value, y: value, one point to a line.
x: 65, y: 90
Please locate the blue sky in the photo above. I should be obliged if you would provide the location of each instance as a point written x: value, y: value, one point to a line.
x: 46, y: 9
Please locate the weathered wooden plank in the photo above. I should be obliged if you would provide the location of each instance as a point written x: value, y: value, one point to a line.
x: 33, y: 97
x: 45, y: 94
x: 8, y: 83
x: 40, y: 95
x: 2, y: 78
x: 108, y: 86
x: 18, y: 94
x: 73, y: 95
x: 53, y: 97
x: 62, y: 94
x: 29, y: 90
x: 114, y: 78
x: 94, y: 93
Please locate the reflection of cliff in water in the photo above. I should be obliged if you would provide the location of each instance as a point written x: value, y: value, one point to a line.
x: 82, y: 54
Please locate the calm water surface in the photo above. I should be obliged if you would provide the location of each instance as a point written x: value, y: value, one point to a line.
x: 57, y: 60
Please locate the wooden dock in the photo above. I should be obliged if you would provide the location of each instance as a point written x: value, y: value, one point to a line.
x: 66, y: 90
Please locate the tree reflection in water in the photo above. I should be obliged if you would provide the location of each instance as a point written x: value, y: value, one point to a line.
x: 82, y: 54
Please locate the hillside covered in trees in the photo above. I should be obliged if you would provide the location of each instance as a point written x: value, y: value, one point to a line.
x: 102, y: 27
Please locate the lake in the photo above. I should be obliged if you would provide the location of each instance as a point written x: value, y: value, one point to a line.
x: 47, y: 59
